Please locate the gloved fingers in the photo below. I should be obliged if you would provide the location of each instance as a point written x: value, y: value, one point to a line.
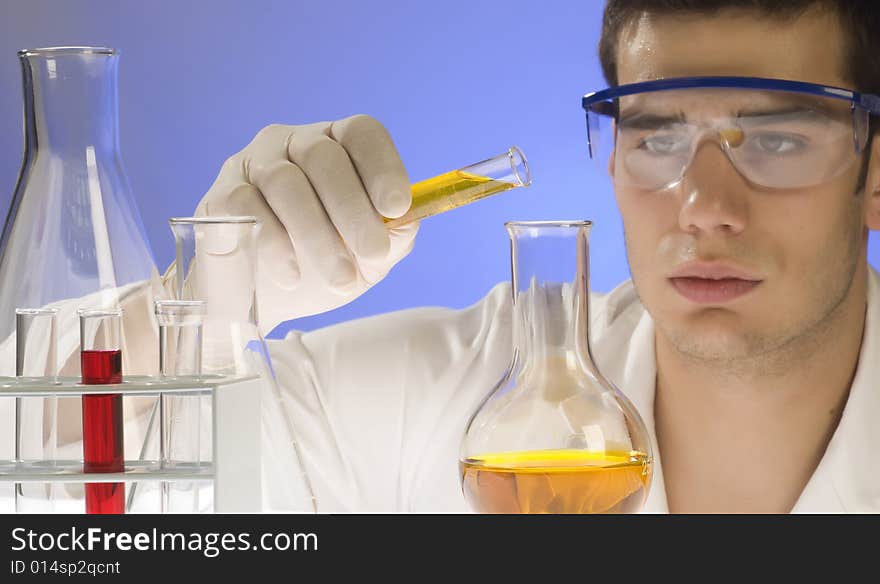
x: 333, y: 177
x: 402, y: 241
x: 272, y: 142
x: 276, y: 252
x: 295, y: 206
x: 230, y: 176
x: 317, y: 189
x: 377, y: 162
x: 231, y: 194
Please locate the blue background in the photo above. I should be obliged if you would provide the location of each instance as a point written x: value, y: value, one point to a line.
x: 454, y: 82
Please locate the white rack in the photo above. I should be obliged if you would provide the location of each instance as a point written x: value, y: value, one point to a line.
x: 234, y: 466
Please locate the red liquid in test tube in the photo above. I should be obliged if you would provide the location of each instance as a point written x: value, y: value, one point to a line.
x: 99, y: 367
x: 103, y: 446
x: 102, y: 431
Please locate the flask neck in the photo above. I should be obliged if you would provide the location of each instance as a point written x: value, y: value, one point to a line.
x: 216, y: 264
x: 551, y: 293
x: 70, y: 101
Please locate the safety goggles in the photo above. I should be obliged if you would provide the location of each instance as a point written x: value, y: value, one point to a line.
x: 777, y: 134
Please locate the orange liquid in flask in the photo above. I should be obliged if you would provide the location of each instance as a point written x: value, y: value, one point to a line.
x: 556, y: 481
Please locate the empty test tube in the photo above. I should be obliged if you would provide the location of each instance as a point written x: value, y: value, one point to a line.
x: 471, y: 183
x: 36, y: 343
x: 36, y: 432
x: 180, y: 336
x: 180, y: 356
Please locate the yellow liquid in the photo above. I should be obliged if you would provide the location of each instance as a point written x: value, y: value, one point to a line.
x: 448, y: 191
x: 556, y: 481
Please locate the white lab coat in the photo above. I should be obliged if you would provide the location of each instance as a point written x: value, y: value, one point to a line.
x: 381, y: 403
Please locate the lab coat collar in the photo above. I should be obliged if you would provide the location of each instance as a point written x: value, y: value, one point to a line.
x: 846, y: 480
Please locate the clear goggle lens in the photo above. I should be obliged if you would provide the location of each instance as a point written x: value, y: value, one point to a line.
x: 774, y: 139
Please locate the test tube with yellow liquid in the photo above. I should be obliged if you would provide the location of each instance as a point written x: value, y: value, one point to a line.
x: 459, y: 187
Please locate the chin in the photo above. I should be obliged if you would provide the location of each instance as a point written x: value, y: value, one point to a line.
x: 706, y: 341
x: 715, y: 349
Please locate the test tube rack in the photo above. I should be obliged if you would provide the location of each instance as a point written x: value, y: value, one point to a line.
x: 234, y: 466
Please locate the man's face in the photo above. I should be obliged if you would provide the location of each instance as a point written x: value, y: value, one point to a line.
x: 797, y: 251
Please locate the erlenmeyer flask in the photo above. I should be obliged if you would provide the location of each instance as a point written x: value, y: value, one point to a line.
x: 73, y: 237
x: 555, y: 436
x: 216, y: 263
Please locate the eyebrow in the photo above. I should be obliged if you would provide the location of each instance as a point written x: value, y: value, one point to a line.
x: 646, y: 121
x: 788, y: 111
x: 649, y: 121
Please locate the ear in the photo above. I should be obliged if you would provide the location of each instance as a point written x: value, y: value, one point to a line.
x: 872, y: 189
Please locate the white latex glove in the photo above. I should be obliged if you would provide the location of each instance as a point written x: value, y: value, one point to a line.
x: 320, y: 191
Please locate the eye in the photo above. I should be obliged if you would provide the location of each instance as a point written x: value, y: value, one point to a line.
x: 665, y: 144
x: 777, y: 143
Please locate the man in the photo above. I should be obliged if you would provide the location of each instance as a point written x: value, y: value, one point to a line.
x: 747, y: 336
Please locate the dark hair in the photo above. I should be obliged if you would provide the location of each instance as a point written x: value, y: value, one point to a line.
x: 860, y: 20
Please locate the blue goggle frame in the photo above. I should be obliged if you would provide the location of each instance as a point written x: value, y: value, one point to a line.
x: 602, y: 102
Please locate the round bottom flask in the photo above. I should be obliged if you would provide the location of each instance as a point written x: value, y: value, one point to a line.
x: 555, y: 436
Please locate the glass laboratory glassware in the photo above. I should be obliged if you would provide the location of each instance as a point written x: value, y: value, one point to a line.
x: 180, y: 337
x: 73, y: 237
x: 183, y: 416
x: 102, y: 421
x: 459, y: 187
x: 36, y: 344
x: 216, y: 263
x: 36, y: 417
x: 555, y: 436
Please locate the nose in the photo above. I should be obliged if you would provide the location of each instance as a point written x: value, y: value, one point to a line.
x: 713, y: 194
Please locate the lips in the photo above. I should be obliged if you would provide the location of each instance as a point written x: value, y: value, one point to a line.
x: 713, y: 282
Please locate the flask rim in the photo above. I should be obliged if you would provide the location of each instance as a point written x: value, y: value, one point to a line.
x: 55, y: 51
x: 36, y: 311
x: 539, y: 224
x: 99, y: 312
x: 175, y: 307
x: 213, y: 220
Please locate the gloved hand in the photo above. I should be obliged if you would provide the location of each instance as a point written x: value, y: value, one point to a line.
x: 320, y: 191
